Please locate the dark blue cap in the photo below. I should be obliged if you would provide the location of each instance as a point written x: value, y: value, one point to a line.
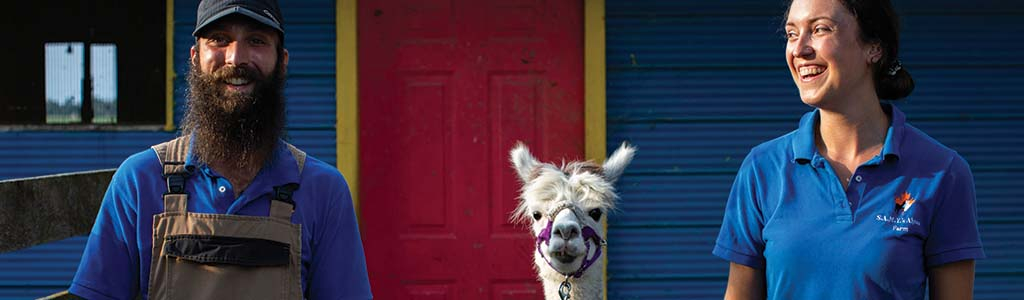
x: 264, y: 11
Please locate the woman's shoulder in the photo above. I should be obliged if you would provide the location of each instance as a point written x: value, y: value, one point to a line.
x: 921, y: 148
x: 780, y: 147
x: 771, y: 154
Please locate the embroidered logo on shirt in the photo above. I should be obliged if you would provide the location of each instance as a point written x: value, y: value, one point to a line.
x: 904, y: 202
x: 899, y: 222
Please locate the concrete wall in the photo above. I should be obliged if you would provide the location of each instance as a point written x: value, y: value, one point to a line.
x: 43, y: 209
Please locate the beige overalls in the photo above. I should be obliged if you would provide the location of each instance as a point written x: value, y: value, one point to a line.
x: 214, y: 256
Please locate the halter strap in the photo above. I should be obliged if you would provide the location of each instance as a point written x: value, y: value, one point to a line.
x: 588, y: 234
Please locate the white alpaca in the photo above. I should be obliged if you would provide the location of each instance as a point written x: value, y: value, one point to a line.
x: 565, y: 206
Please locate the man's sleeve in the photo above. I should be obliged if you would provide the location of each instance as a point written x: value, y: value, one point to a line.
x: 739, y: 239
x: 338, y: 268
x: 109, y: 266
x: 953, y: 235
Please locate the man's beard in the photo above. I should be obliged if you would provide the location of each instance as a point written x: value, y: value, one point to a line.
x: 234, y: 129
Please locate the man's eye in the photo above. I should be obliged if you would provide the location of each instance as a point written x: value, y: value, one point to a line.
x: 219, y: 40
x: 258, y: 42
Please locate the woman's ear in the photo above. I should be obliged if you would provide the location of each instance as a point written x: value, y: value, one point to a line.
x: 874, y: 53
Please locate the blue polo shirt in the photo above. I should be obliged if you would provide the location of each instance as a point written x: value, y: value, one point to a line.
x: 116, y: 261
x: 910, y: 208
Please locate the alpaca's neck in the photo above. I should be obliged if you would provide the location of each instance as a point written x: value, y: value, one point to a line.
x: 590, y: 286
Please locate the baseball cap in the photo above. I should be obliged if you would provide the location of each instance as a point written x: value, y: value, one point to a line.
x: 264, y: 11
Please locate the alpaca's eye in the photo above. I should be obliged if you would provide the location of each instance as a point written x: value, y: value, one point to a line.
x: 595, y: 214
x: 536, y: 215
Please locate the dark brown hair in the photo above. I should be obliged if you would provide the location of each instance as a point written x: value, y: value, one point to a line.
x: 879, y: 23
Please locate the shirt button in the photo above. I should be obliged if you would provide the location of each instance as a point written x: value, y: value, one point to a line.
x: 223, y: 189
x: 857, y: 178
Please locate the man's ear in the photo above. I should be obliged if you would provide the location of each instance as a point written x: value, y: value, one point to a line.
x: 284, y: 62
x: 192, y: 53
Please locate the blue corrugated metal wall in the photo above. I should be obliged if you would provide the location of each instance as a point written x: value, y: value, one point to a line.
x: 45, y: 269
x: 696, y: 84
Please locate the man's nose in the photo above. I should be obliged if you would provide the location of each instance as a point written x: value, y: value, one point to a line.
x: 236, y: 54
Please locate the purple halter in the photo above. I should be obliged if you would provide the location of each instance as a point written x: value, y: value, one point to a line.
x: 588, y: 235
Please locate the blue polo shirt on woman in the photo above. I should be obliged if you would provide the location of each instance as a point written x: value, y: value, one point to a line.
x: 908, y: 209
x: 116, y: 261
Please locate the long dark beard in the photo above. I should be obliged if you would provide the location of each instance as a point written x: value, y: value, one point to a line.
x: 238, y: 130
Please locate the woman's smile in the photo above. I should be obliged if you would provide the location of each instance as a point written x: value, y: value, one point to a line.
x: 811, y: 72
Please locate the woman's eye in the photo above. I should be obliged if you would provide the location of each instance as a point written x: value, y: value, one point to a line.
x: 536, y: 216
x: 822, y: 29
x: 791, y: 35
x: 595, y: 214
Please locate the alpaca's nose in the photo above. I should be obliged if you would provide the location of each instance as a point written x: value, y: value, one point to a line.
x: 567, y: 231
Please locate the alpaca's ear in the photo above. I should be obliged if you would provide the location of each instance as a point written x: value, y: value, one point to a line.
x: 616, y: 164
x: 523, y: 161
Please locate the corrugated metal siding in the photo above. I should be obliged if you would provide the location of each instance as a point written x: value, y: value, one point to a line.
x: 41, y: 270
x: 34, y: 153
x: 696, y: 84
x: 46, y: 269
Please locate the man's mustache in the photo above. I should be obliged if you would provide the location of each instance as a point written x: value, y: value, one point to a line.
x: 244, y: 72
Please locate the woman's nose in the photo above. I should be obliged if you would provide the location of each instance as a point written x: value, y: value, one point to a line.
x: 803, y: 48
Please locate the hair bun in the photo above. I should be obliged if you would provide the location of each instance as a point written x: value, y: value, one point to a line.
x: 894, y: 87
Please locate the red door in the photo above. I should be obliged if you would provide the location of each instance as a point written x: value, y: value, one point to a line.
x: 446, y: 88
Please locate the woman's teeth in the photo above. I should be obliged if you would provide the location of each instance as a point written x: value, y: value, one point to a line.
x: 811, y: 71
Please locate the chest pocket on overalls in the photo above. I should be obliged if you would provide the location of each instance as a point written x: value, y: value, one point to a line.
x: 215, y: 256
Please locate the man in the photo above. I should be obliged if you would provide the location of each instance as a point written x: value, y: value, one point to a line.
x: 228, y: 210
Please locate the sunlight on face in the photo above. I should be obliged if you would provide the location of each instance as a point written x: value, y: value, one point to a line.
x: 826, y: 58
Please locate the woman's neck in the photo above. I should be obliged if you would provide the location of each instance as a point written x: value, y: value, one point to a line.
x: 853, y: 133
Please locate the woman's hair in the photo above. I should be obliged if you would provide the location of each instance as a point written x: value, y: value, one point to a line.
x: 879, y: 23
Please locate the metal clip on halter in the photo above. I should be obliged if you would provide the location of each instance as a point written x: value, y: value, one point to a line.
x: 565, y: 288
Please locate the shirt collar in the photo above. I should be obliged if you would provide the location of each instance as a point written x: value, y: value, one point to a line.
x: 282, y: 167
x: 804, y: 149
x: 803, y: 140
x: 893, y: 137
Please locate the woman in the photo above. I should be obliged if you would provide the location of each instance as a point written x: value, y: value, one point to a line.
x: 855, y: 203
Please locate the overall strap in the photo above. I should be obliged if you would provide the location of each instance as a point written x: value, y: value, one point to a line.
x: 172, y: 156
x: 284, y: 206
x: 299, y: 155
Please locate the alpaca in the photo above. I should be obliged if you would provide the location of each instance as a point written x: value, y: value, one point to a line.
x: 565, y: 206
